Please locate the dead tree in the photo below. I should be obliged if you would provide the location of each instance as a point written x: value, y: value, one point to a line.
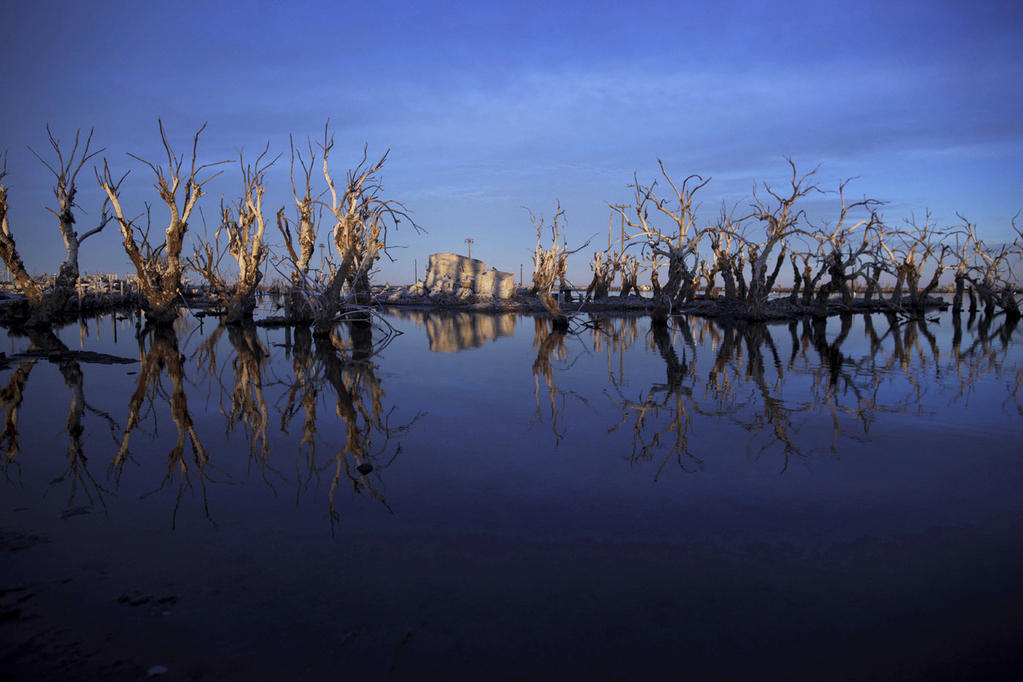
x: 726, y: 248
x: 992, y: 278
x: 602, y: 275
x: 245, y: 226
x: 918, y: 243
x: 679, y: 246
x: 630, y: 275
x: 965, y: 236
x: 159, y: 266
x: 362, y: 218
x: 654, y: 263
x: 781, y: 220
x: 841, y: 259
x: 549, y: 265
x: 301, y: 244
x: 46, y: 305
x: 9, y: 249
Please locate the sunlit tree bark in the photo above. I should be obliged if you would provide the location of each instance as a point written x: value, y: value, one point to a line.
x: 159, y: 266
x: 46, y: 306
x: 244, y: 226
x: 550, y: 263
x: 679, y: 245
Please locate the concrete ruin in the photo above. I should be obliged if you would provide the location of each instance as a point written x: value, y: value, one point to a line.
x: 451, y: 276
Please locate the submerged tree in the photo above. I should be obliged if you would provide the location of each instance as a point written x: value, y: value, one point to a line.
x: 46, y: 305
x: 842, y: 260
x: 678, y: 244
x: 917, y: 244
x: 302, y: 243
x: 781, y: 220
x: 245, y: 226
x: 362, y: 218
x: 989, y: 272
x: 603, y: 273
x: 550, y: 264
x: 159, y: 266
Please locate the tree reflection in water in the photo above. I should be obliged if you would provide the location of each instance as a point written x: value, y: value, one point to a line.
x: 43, y: 343
x: 756, y: 386
x: 372, y: 442
x: 550, y: 345
x: 794, y: 389
x: 11, y: 397
x: 671, y: 413
x: 344, y: 362
x: 246, y: 407
x: 161, y: 355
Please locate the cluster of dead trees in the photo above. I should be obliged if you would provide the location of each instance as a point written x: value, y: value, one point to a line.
x: 855, y: 262
x: 359, y: 218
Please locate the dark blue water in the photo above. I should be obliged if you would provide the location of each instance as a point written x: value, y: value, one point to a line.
x: 839, y: 501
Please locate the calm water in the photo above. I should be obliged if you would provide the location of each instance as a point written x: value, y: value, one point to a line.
x: 481, y: 499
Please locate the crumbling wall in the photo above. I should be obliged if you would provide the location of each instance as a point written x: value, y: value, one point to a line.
x: 448, y: 274
x: 495, y: 284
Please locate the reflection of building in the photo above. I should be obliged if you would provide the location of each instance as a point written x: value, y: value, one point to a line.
x: 452, y: 332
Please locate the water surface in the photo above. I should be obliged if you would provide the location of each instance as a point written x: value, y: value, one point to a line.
x: 478, y: 498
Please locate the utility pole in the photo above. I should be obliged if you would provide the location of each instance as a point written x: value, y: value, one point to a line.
x: 469, y: 241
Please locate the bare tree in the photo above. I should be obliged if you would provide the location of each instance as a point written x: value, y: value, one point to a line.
x: 991, y: 274
x: 679, y: 245
x: 726, y: 247
x: 9, y: 249
x: 159, y: 265
x: 302, y: 243
x: 46, y: 305
x: 841, y: 259
x: 964, y: 236
x: 916, y: 245
x: 781, y: 220
x: 602, y: 275
x: 362, y: 218
x: 245, y: 226
x: 550, y: 263
x: 630, y: 275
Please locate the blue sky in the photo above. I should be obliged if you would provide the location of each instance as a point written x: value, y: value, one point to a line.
x: 487, y: 108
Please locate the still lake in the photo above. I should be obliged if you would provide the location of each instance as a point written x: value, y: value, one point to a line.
x: 477, y: 498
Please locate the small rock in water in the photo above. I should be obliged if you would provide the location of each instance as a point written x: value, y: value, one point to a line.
x: 156, y: 670
x: 364, y: 468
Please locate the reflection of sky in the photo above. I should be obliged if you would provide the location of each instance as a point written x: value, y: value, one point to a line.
x: 505, y: 538
x: 489, y: 109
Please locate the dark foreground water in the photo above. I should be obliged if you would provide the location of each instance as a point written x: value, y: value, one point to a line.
x: 483, y: 500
